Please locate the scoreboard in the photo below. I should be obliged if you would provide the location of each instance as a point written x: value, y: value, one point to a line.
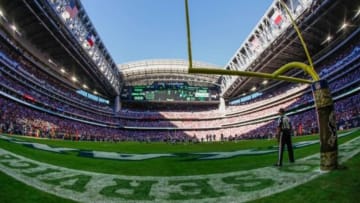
x: 169, y: 91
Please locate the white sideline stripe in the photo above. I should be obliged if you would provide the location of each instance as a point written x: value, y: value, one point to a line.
x: 283, y: 179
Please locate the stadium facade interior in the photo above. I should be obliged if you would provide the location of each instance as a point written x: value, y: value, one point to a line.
x: 58, y: 79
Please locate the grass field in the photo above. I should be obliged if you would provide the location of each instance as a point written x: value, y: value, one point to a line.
x: 337, y: 186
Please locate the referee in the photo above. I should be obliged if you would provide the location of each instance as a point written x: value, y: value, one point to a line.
x: 284, y: 137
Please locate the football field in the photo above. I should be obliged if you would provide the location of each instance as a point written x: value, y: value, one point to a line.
x: 42, y: 170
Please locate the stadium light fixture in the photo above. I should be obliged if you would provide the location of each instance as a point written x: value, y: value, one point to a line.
x: 328, y: 39
x: 13, y: 27
x: 253, y: 89
x: 85, y: 44
x: 74, y: 79
x: 265, y: 82
x: 85, y: 86
x: 3, y: 16
x: 65, y: 15
x: 52, y: 62
x: 357, y: 13
x: 62, y: 70
x: 95, y: 92
x: 343, y: 26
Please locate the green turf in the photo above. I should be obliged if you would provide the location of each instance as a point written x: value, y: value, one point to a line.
x: 337, y: 186
x: 161, y: 166
x: 341, y: 186
x: 12, y: 191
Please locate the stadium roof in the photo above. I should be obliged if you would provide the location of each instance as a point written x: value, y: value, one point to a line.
x: 147, y: 71
x: 324, y: 25
x: 38, y: 29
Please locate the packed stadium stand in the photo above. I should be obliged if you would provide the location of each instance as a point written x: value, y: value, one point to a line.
x: 44, y: 55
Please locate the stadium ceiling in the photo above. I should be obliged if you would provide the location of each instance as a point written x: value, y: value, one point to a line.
x: 37, y: 25
x: 147, y: 71
x: 325, y: 25
x: 39, y: 32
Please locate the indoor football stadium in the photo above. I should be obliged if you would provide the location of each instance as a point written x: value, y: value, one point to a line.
x: 277, y: 122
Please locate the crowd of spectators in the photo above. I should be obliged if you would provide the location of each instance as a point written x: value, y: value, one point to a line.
x: 13, y: 81
x: 344, y: 60
x: 50, y: 109
x: 30, y: 69
x: 347, y: 116
x: 18, y: 119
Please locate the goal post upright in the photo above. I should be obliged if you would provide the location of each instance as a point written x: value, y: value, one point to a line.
x: 321, y: 93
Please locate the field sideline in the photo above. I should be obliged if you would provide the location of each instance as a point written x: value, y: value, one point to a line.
x: 340, y: 184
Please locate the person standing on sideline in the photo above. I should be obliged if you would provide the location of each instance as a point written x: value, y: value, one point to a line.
x: 300, y: 129
x: 284, y: 137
